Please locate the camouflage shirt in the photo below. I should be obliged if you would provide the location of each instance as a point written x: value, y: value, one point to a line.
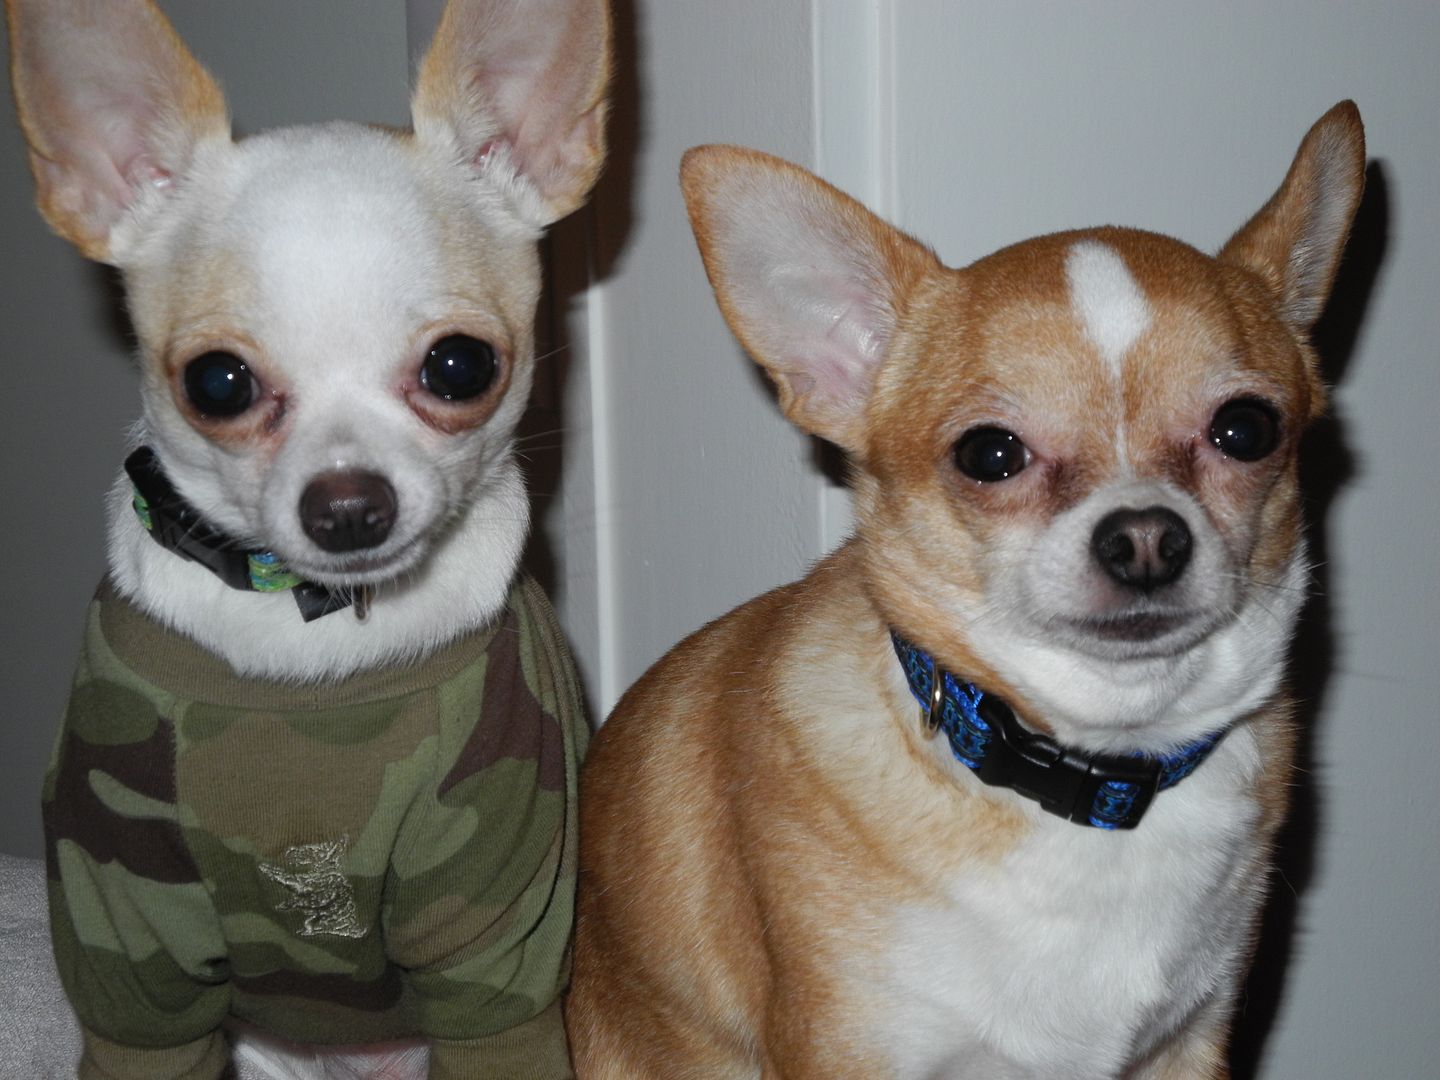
x: 386, y: 856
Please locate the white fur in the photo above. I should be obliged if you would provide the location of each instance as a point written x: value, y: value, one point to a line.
x: 261, y: 1055
x: 1076, y: 951
x: 1107, y: 300
x: 1111, y: 308
x: 1159, y: 702
x: 264, y: 634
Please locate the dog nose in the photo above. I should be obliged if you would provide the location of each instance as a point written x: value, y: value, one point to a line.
x: 1142, y: 549
x: 348, y: 511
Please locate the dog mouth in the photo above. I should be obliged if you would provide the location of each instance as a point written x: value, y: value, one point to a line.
x: 364, y: 567
x: 1139, y: 626
x: 1137, y: 634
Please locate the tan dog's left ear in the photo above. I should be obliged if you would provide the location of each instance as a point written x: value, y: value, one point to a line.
x: 517, y: 88
x: 1294, y: 242
x: 811, y: 282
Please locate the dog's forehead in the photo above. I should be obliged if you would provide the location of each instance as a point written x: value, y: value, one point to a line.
x: 328, y: 212
x: 1109, y: 346
x: 1098, y: 295
x: 334, y: 214
x: 343, y: 230
x: 1071, y: 320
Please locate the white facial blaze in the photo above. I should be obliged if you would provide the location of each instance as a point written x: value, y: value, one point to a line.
x: 1107, y: 300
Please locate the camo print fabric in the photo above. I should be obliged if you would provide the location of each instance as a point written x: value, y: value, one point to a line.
x: 391, y: 855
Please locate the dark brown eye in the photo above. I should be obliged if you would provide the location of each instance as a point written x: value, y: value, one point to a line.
x: 1246, y: 429
x: 990, y: 454
x: 459, y: 367
x: 219, y: 385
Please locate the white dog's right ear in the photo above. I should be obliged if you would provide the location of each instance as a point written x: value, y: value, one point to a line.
x: 113, y: 107
x: 811, y: 282
x: 517, y: 89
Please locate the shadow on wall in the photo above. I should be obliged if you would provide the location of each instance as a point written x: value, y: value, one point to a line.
x: 579, y: 251
x: 1326, y: 465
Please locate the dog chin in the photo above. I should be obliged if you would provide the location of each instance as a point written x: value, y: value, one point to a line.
x: 1138, y: 635
x: 366, y: 568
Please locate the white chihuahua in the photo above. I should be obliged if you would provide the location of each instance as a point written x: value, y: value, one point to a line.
x: 318, y: 770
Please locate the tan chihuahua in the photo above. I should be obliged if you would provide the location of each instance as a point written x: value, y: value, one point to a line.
x: 1079, y: 551
x: 318, y: 770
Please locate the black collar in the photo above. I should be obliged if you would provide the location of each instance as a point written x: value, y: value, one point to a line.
x: 177, y: 526
x: 1107, y: 791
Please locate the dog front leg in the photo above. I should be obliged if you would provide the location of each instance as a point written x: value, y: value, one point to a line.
x: 1196, y: 1052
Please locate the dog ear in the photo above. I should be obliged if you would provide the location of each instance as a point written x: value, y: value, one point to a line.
x: 810, y: 281
x: 1295, y: 241
x: 518, y: 90
x: 113, y: 108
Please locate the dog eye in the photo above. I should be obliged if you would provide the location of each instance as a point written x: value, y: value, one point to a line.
x: 219, y: 384
x: 459, y: 367
x: 1246, y: 429
x: 989, y: 454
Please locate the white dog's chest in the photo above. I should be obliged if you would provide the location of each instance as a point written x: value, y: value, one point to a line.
x: 1078, y: 952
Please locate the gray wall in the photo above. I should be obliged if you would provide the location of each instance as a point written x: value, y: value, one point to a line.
x: 689, y: 492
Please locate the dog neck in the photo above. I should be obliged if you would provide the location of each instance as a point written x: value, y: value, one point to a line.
x: 460, y: 586
x: 1104, y: 791
x: 177, y: 526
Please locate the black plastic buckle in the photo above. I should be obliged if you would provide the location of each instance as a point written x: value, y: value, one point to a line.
x: 1064, y: 782
x: 176, y: 525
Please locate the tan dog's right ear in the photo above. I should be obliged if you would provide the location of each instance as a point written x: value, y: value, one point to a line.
x: 810, y: 281
x: 112, y: 106
x: 1294, y: 243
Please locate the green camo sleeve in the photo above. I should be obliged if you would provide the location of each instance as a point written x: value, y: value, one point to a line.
x: 483, y: 880
x: 204, y: 1059
x: 115, y: 855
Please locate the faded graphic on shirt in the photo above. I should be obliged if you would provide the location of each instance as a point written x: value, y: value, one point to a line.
x: 315, y: 874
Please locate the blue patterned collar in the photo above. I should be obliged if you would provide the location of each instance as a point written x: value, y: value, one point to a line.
x: 1107, y: 791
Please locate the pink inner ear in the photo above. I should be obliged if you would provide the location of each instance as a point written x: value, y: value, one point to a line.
x: 142, y: 172
x: 836, y: 379
x: 515, y: 82
x: 113, y: 106
x: 482, y: 155
x: 845, y: 366
x: 833, y: 324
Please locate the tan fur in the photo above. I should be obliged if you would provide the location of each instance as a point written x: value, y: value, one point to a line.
x: 763, y: 800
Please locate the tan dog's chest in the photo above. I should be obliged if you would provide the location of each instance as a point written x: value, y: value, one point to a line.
x: 988, y: 938
x: 1077, y: 951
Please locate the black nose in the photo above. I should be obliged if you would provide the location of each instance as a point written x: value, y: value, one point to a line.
x: 348, y: 511
x: 1142, y: 549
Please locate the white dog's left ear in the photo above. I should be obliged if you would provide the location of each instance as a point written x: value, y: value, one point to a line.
x: 1294, y: 242
x: 517, y: 88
